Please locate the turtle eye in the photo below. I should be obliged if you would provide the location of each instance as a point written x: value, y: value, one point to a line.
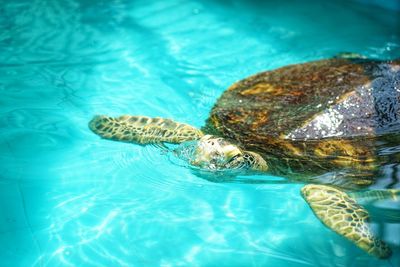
x: 233, y: 158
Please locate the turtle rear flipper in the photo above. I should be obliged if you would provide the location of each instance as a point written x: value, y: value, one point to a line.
x: 143, y: 130
x: 342, y: 214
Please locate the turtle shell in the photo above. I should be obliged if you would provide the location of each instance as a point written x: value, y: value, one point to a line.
x: 321, y: 109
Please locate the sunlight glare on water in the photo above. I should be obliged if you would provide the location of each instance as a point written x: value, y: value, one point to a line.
x: 69, y: 198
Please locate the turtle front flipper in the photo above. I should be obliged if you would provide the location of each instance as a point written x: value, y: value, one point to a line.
x: 143, y: 130
x: 342, y: 214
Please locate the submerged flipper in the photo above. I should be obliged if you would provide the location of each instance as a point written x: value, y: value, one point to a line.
x: 343, y: 215
x: 143, y: 130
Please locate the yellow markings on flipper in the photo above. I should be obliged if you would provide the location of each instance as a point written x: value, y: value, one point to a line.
x: 143, y: 130
x: 342, y: 214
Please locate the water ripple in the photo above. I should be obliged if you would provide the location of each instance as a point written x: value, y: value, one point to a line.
x: 95, y: 202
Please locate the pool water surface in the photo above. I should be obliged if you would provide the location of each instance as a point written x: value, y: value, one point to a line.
x: 69, y: 198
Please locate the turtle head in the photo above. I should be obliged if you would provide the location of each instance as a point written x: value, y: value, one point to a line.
x: 216, y: 153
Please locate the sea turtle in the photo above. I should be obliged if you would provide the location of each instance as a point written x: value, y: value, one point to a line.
x: 320, y: 122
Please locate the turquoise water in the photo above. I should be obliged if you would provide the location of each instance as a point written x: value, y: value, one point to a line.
x: 68, y: 198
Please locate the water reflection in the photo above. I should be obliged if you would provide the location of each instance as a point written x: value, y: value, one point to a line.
x: 91, y: 202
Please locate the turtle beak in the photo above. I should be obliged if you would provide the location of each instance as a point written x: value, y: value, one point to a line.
x: 201, y: 156
x: 200, y: 160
